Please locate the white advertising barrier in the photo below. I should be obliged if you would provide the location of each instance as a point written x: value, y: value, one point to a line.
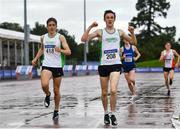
x: 68, y: 70
x: 92, y: 69
x: 81, y: 70
x: 24, y: 72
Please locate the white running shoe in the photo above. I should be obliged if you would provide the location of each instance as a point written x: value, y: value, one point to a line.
x: 133, y: 98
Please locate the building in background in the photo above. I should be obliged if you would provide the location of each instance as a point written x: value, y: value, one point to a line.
x: 12, y: 47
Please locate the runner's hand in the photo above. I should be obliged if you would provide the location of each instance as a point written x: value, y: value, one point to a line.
x: 94, y: 24
x: 177, y: 65
x: 57, y: 49
x: 135, y: 59
x: 164, y: 57
x: 131, y: 29
x: 34, y: 62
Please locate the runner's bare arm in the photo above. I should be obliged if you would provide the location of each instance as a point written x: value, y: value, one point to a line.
x: 138, y: 55
x: 121, y: 53
x: 65, y: 48
x: 40, y: 52
x: 178, y: 60
x: 86, y: 36
x: 132, y: 39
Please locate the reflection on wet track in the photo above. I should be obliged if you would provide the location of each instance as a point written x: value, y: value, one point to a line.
x: 21, y: 104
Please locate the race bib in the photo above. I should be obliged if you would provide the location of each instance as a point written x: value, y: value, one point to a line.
x: 128, y: 59
x: 110, y: 54
x: 50, y: 49
x: 168, y: 61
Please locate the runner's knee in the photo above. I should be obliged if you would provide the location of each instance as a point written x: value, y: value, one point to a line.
x: 45, y: 84
x: 56, y: 93
x: 113, y: 91
x: 104, y: 93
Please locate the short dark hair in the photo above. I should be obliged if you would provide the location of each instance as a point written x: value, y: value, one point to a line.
x: 168, y: 43
x: 51, y: 19
x: 109, y: 11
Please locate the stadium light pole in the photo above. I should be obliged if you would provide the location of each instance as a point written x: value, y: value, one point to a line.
x: 85, y: 44
x: 26, y: 44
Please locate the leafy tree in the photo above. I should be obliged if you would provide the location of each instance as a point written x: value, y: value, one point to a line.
x: 153, y: 36
x: 148, y: 10
x: 94, y: 51
x: 11, y: 26
x: 39, y: 29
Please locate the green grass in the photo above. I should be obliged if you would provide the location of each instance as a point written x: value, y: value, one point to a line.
x: 151, y: 63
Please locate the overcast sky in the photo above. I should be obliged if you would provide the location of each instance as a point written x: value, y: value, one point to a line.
x: 70, y: 15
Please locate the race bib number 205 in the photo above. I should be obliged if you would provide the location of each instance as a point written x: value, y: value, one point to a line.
x: 110, y: 54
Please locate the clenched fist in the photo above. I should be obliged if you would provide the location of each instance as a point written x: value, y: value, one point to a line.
x: 94, y: 24
x: 131, y: 29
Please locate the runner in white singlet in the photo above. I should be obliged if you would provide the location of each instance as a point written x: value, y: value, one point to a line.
x: 110, y: 64
x: 53, y: 46
x: 169, y: 64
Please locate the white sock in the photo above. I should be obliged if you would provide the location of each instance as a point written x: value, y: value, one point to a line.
x: 106, y: 112
x: 111, y: 113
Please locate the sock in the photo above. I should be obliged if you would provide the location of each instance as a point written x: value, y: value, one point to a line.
x: 112, y: 113
x: 56, y: 111
x: 106, y: 112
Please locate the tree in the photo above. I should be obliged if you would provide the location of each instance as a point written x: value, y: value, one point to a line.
x: 94, y: 50
x: 152, y: 36
x: 148, y: 10
x: 72, y: 44
x: 39, y: 29
x: 11, y: 26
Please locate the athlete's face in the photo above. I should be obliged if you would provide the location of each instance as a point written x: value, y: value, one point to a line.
x: 51, y: 27
x: 168, y: 46
x: 109, y: 19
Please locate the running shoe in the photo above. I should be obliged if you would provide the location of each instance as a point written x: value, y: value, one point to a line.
x: 55, y: 115
x: 169, y: 92
x: 47, y: 100
x: 113, y: 120
x: 170, y: 81
x: 106, y: 119
x: 133, y: 98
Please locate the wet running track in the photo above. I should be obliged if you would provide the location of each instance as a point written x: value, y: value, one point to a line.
x: 21, y: 103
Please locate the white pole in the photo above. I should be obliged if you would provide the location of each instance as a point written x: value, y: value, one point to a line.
x: 26, y: 45
x: 85, y: 44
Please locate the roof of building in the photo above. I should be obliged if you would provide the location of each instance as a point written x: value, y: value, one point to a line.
x: 11, y: 34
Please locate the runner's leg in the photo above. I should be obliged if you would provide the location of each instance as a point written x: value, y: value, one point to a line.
x: 166, y: 80
x: 171, y: 76
x: 57, y: 82
x: 114, y: 79
x: 45, y: 78
x: 104, y: 91
x: 132, y: 80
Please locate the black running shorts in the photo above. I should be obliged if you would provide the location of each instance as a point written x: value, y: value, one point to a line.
x: 128, y: 68
x: 105, y: 70
x: 56, y: 72
x: 167, y: 69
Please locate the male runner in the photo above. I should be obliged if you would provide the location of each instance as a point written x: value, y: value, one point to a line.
x: 53, y: 46
x: 110, y: 64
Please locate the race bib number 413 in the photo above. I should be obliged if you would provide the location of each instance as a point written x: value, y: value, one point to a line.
x: 49, y: 49
x: 110, y: 54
